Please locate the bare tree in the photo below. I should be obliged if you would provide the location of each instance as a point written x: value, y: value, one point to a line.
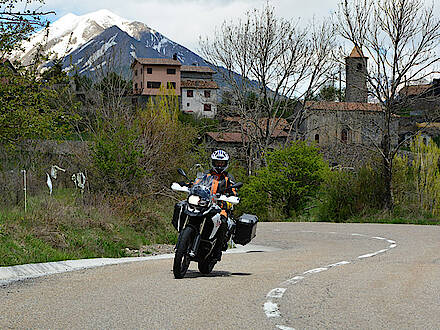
x: 18, y: 20
x: 280, y: 62
x: 400, y: 38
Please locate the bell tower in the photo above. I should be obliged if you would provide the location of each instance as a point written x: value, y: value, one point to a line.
x: 356, y: 77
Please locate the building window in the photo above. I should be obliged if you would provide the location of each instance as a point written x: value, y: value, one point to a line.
x: 187, y: 105
x: 142, y: 85
x: 207, y: 107
x: 359, y: 66
x: 171, y: 85
x: 135, y: 73
x: 142, y: 70
x: 207, y: 94
x: 317, y: 138
x: 190, y: 93
x: 344, y: 135
x: 171, y: 71
x: 153, y: 84
x: 135, y: 86
x: 149, y: 70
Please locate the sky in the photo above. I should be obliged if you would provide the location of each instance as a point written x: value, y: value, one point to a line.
x: 185, y: 21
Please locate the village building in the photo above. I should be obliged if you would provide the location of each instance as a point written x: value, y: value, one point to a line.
x: 152, y: 75
x: 199, y: 91
x: 239, y: 133
x: 348, y: 132
x: 193, y: 85
x: 422, y: 111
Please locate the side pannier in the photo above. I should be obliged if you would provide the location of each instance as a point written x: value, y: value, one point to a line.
x: 246, y: 228
x: 179, y: 216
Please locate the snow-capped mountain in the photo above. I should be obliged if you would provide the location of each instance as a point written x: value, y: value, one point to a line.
x: 87, y: 42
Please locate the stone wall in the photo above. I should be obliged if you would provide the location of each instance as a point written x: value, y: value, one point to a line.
x: 347, y: 138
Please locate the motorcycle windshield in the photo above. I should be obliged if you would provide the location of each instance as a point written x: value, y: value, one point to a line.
x: 202, y: 187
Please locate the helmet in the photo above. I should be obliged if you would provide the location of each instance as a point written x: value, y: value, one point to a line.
x: 219, y: 161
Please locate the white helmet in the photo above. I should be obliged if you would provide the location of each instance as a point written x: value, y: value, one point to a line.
x: 219, y: 161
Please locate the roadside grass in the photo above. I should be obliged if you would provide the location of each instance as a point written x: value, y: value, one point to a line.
x: 67, y: 226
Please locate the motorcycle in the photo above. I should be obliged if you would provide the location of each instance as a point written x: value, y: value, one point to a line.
x: 198, y: 219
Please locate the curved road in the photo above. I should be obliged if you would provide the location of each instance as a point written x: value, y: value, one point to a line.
x: 320, y: 276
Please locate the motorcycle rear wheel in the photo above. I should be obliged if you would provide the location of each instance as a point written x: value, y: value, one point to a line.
x: 181, y: 258
x: 206, y: 266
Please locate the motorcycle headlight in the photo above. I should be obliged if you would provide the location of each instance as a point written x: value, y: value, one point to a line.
x: 194, y: 200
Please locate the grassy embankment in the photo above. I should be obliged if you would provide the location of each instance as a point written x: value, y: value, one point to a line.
x: 66, y: 226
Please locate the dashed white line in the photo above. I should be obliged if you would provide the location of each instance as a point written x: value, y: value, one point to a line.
x: 282, y: 327
x: 276, y: 293
x: 341, y: 263
x: 316, y: 270
x: 272, y: 310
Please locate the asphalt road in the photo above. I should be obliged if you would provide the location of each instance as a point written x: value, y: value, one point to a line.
x: 323, y: 276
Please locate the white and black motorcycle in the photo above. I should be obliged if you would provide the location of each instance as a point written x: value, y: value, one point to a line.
x: 198, y: 219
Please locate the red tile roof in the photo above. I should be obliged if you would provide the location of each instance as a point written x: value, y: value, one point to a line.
x: 229, y: 137
x: 280, y: 122
x: 236, y: 137
x: 195, y: 68
x: 202, y: 84
x: 356, y: 52
x: 343, y: 106
x: 414, y: 90
x: 157, y: 61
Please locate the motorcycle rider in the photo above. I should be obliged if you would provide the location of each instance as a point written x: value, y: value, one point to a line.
x: 222, y: 180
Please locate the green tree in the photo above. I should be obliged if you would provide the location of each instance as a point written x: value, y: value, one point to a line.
x: 331, y: 94
x: 292, y: 175
x: 18, y: 20
x: 426, y: 174
x: 139, y: 151
x: 28, y: 109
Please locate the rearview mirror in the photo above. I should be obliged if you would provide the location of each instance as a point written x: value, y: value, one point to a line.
x: 237, y: 185
x: 182, y: 172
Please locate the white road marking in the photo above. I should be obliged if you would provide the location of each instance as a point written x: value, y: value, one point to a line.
x: 283, y: 327
x: 276, y: 293
x: 316, y: 270
x: 11, y: 274
x: 293, y: 280
x: 271, y: 309
x: 341, y: 263
x: 369, y: 255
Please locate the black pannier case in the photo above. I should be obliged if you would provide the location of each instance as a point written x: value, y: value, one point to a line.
x: 179, y: 217
x: 246, y: 228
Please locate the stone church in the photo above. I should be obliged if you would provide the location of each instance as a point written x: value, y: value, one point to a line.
x: 348, y: 132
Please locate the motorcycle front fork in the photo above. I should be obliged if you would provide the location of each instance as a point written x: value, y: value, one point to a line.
x: 196, y: 242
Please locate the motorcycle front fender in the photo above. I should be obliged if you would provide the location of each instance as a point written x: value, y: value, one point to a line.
x: 217, y: 223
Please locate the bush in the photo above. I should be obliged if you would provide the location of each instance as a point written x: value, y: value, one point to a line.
x: 348, y: 194
x: 282, y: 188
x: 139, y: 152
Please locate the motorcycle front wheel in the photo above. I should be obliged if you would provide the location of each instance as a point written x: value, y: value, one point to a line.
x: 181, y: 258
x: 206, y: 266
